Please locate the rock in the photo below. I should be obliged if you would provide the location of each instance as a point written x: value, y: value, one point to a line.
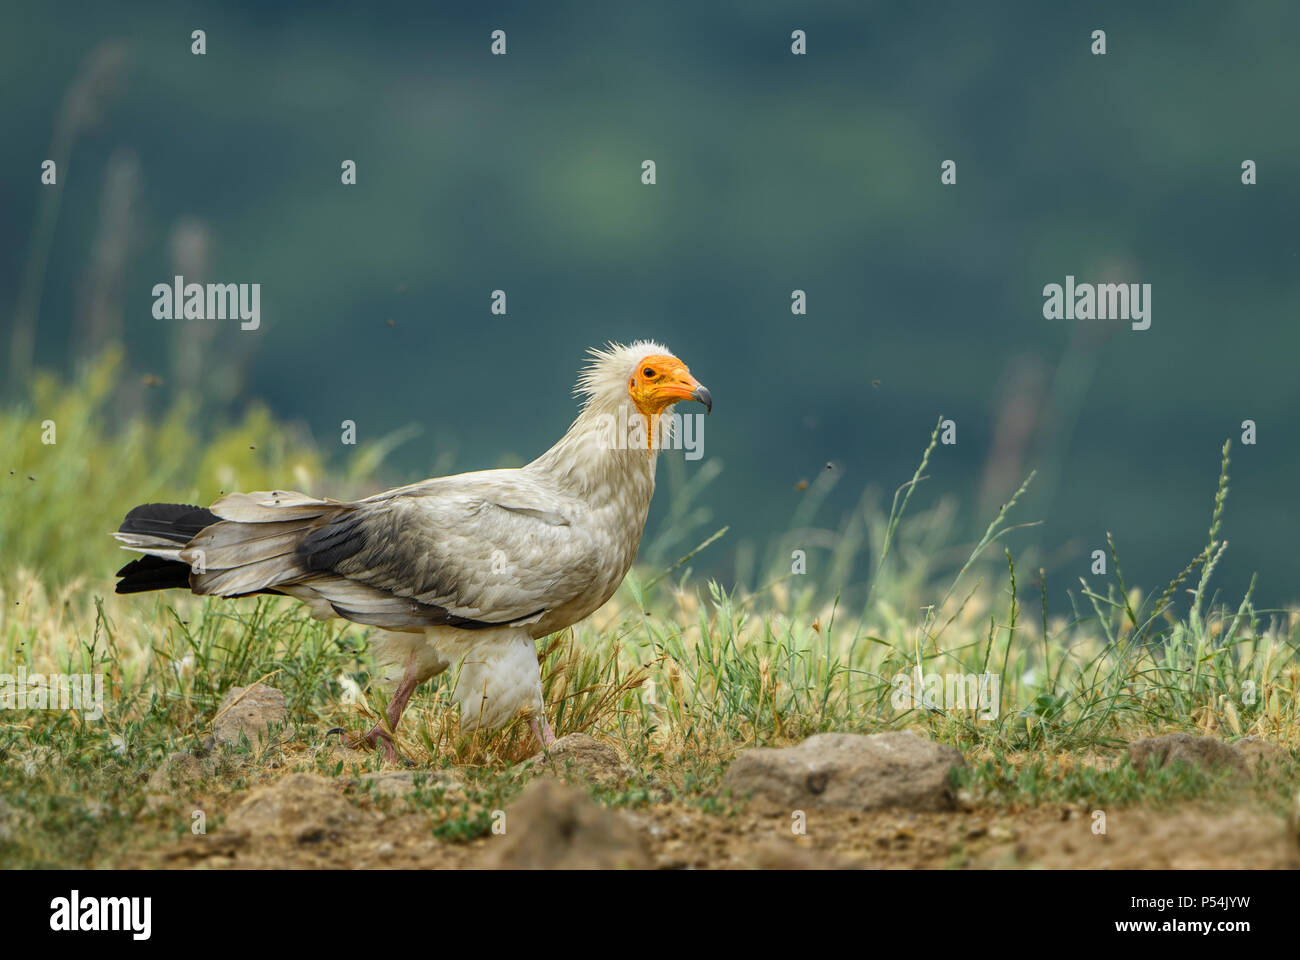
x: 557, y: 826
x: 578, y: 756
x: 1261, y: 756
x: 1148, y: 753
x: 1210, y: 753
x: 399, y: 783
x: 176, y: 771
x: 303, y: 806
x: 249, y: 711
x: 848, y: 770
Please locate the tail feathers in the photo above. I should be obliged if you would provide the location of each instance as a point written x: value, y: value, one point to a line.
x: 156, y: 573
x: 153, y: 573
x: 208, y: 552
x: 177, y: 522
x: 162, y: 529
x: 250, y: 543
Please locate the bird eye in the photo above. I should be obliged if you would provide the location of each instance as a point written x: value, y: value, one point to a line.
x: 648, y: 372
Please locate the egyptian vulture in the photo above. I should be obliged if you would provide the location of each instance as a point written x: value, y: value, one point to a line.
x: 470, y: 569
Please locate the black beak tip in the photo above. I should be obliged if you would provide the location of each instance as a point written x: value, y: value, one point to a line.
x: 703, y: 396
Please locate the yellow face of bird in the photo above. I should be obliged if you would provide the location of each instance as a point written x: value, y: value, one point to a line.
x: 660, y: 381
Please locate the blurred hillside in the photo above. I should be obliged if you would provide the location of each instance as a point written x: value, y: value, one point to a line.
x: 774, y: 173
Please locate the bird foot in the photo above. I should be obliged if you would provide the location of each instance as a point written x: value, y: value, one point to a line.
x: 376, y: 736
x: 542, y: 731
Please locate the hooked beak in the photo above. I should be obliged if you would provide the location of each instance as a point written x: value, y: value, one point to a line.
x: 688, y: 388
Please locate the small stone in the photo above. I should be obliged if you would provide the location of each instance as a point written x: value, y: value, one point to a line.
x: 848, y: 770
x: 1208, y: 753
x: 1260, y: 756
x: 303, y: 806
x: 557, y: 826
x: 580, y: 757
x: 176, y: 771
x: 248, y: 712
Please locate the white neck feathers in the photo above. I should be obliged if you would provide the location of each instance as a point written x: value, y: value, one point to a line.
x: 607, y: 451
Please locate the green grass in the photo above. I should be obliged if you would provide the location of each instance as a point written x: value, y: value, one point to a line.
x: 1005, y: 780
x: 679, y: 674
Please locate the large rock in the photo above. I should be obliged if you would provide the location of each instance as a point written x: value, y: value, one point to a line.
x: 303, y: 807
x: 557, y: 826
x: 249, y: 711
x: 580, y: 757
x: 848, y: 770
x: 1248, y: 755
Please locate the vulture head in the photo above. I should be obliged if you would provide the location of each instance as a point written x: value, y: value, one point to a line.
x: 644, y: 372
x: 660, y: 380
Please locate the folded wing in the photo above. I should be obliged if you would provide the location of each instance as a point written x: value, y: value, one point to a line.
x: 474, y: 551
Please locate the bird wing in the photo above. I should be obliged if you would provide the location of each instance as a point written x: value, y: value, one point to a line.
x: 484, y: 549
x: 494, y: 549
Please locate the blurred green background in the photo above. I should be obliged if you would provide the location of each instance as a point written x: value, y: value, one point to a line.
x: 775, y: 172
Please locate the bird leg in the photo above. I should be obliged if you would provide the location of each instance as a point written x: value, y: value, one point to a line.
x: 541, y: 730
x: 380, y: 735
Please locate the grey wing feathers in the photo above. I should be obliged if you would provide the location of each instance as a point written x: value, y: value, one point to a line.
x: 421, y: 556
x: 465, y: 554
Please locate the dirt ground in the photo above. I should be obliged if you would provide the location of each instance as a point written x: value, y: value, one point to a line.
x: 313, y: 825
x: 260, y: 814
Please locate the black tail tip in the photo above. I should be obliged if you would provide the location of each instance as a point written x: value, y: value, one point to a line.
x: 179, y: 522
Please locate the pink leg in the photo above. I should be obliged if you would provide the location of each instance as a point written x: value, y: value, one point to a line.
x: 379, y: 735
x: 542, y: 730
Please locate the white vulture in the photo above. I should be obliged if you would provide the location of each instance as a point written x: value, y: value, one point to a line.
x: 470, y: 569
